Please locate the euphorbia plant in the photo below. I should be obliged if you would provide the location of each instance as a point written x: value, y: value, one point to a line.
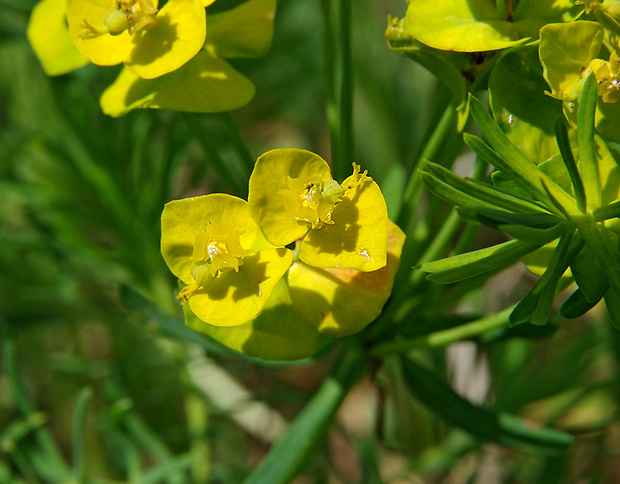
x: 286, y: 259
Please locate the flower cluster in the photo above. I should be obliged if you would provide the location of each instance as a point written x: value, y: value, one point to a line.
x: 170, y: 60
x: 304, y: 257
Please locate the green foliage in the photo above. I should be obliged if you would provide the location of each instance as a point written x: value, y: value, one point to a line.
x: 422, y: 341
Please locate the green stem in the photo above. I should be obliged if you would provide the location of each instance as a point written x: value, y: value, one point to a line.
x: 435, y: 141
x: 445, y: 337
x: 342, y: 165
x: 243, y: 150
x: 329, y: 48
x: 225, y: 175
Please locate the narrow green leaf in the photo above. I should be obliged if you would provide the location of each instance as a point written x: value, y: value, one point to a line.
x: 561, y: 136
x: 484, y: 423
x: 532, y: 234
x: 446, y: 192
x: 557, y: 267
x: 592, y: 234
x: 80, y: 409
x: 587, y: 270
x: 494, y: 217
x: 538, y: 301
x: 607, y: 212
x: 291, y: 453
x: 18, y: 429
x: 482, y: 192
x: 585, y: 137
x: 512, y: 162
x: 470, y: 264
x: 577, y: 305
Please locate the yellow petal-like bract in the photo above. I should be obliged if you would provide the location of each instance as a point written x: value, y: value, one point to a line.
x: 339, y: 302
x: 49, y: 37
x: 161, y: 43
x: 206, y: 242
x: 292, y: 195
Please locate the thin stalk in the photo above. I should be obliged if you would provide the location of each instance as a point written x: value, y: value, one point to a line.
x: 445, y: 337
x: 437, y: 246
x: 225, y: 175
x: 443, y: 106
x: 329, y: 48
x: 435, y: 141
x: 241, y: 147
x: 342, y: 164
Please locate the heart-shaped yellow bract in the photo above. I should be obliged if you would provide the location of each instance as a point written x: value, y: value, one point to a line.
x: 339, y: 302
x: 151, y: 43
x: 209, y: 243
x: 292, y: 194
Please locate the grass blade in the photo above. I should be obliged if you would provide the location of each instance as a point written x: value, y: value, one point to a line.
x: 484, y: 423
x: 290, y: 454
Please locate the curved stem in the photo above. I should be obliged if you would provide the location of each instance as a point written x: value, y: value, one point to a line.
x: 445, y: 337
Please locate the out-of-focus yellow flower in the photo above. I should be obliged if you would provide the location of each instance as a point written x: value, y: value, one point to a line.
x: 49, y: 37
x: 149, y: 41
x: 212, y: 244
x: 293, y: 195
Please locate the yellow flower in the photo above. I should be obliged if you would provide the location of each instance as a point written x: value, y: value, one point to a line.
x: 339, y: 302
x: 49, y: 37
x: 292, y: 195
x: 212, y: 244
x: 149, y: 41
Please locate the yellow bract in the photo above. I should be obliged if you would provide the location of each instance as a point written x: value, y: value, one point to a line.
x: 150, y: 42
x: 230, y: 258
x: 208, y: 243
x: 292, y: 195
x: 47, y: 32
x: 339, y: 302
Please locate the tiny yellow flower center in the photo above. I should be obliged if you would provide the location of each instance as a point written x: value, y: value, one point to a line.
x: 216, y: 249
x: 130, y: 15
x: 311, y: 201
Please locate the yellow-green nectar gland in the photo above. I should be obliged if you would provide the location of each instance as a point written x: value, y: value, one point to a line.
x: 312, y: 201
x: 216, y: 249
x: 131, y: 15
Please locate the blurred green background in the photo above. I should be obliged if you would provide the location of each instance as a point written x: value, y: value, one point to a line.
x: 100, y: 381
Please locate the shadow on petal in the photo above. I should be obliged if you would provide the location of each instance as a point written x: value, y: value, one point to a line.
x: 237, y: 285
x: 342, y: 235
x: 151, y: 45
